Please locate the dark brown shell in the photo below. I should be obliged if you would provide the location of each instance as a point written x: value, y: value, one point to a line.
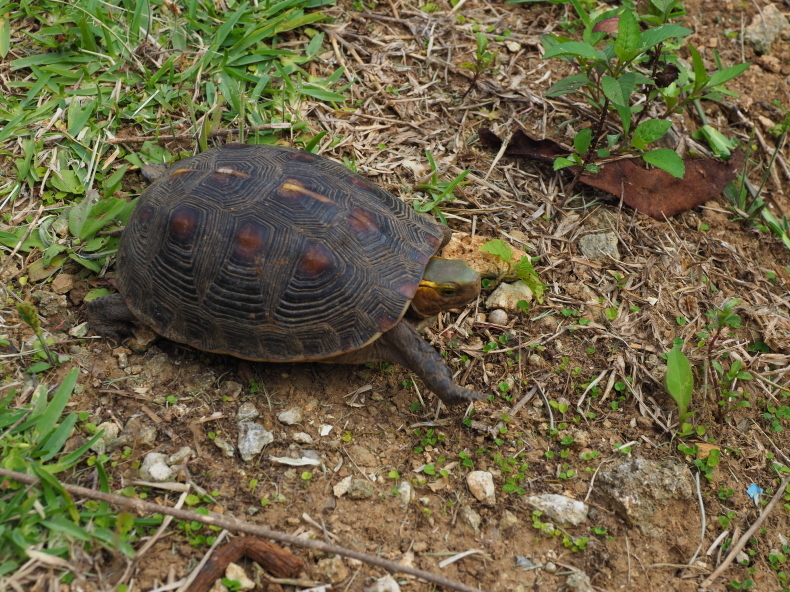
x: 271, y: 253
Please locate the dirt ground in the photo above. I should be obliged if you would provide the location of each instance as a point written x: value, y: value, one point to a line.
x: 668, y: 276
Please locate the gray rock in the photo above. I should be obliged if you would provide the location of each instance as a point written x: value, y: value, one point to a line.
x: 247, y: 412
x: 361, y: 489
x: 362, y: 456
x: 50, y: 304
x: 225, y: 446
x: 290, y: 416
x: 252, y: 438
x: 80, y: 330
x: 599, y: 246
x: 302, y: 438
x: 405, y: 494
x: 580, y: 582
x: 110, y: 433
x: 563, y: 510
x: 481, y: 484
x: 508, y: 520
x: 384, y: 584
x: 180, y: 456
x: 471, y: 519
x: 230, y: 390
x: 154, y: 468
x: 764, y: 29
x: 137, y: 432
x: 507, y: 296
x: 639, y: 489
x: 332, y: 569
x: 524, y: 562
x: 497, y: 317
x: 159, y: 369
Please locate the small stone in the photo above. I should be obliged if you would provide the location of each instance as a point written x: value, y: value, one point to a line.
x: 766, y: 123
x: 535, y: 360
x: 361, y: 489
x: 50, y: 304
x: 513, y: 46
x: 764, y: 28
x: 362, y: 456
x: 324, y: 430
x: 332, y: 568
x: 580, y: 582
x: 599, y: 246
x: 769, y: 63
x: 471, y: 519
x: 237, y: 573
x: 247, y: 412
x: 230, y: 390
x: 302, y: 438
x: 341, y: 488
x: 62, y: 283
x: 497, y: 317
x: 405, y: 494
x: 154, y: 468
x: 225, y: 446
x: 80, y: 330
x: 563, y: 510
x: 507, y: 296
x: 419, y: 547
x: 252, y: 438
x: 384, y: 584
x: 524, y: 562
x: 137, y: 431
x: 481, y: 484
x: 180, y: 456
x: 508, y: 520
x: 550, y: 567
x: 110, y: 433
x: 290, y: 416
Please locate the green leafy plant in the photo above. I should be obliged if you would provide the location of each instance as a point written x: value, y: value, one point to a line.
x: 33, y: 440
x: 723, y: 378
x: 437, y: 191
x: 746, y: 200
x: 679, y: 383
x: 609, y: 76
x: 523, y: 268
x: 29, y: 316
x: 484, y: 59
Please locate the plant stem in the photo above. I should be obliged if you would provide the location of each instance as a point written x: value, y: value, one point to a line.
x: 655, y: 61
x: 591, y: 148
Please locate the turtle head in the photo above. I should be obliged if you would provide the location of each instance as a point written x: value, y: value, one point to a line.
x: 446, y: 284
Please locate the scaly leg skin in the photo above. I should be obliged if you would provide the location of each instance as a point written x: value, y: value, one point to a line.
x: 109, y: 316
x: 404, y: 346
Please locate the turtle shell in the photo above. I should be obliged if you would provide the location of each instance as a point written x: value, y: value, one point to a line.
x: 273, y: 254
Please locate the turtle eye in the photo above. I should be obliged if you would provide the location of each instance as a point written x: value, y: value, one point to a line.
x: 447, y: 291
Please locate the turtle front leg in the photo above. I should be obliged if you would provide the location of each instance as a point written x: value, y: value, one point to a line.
x: 404, y: 346
x: 109, y: 316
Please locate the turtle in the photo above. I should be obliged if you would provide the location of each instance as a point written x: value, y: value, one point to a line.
x: 274, y: 254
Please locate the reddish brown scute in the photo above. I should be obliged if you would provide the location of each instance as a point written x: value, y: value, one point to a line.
x: 270, y: 253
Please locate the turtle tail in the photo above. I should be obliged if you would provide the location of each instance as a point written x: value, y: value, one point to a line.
x: 404, y: 346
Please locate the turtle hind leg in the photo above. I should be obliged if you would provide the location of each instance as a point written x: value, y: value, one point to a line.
x: 109, y: 316
x: 404, y: 346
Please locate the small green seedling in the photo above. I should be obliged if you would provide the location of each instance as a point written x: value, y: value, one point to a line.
x: 523, y: 268
x: 680, y: 385
x: 484, y: 59
x: 438, y: 191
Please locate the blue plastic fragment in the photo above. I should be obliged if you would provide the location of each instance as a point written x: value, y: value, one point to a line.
x: 754, y: 491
